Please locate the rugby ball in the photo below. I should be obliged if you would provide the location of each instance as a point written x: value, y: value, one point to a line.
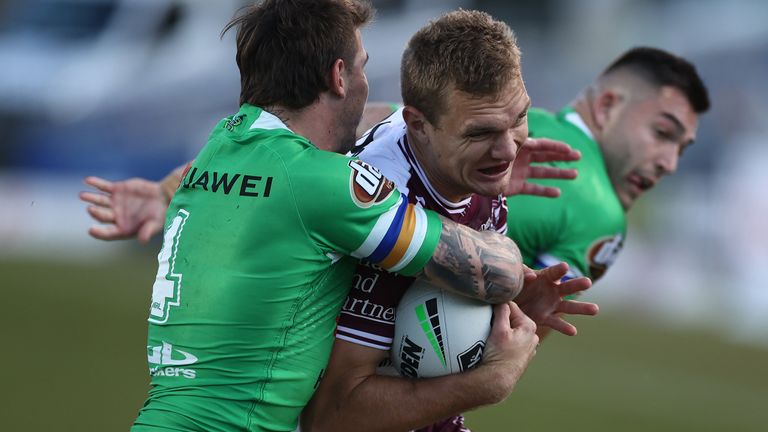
x: 437, y: 332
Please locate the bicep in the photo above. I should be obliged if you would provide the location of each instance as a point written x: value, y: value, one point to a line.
x: 354, y: 210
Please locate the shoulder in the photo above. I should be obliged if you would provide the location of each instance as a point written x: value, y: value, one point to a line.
x: 383, y: 147
x: 541, y: 119
x: 543, y: 123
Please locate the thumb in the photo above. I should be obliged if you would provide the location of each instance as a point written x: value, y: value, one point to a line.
x: 500, y: 316
x: 517, y: 319
x: 529, y: 274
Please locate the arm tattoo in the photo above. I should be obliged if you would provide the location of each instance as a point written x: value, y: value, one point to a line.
x: 480, y: 264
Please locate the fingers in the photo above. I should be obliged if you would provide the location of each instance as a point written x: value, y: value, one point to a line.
x: 572, y: 307
x: 102, y: 214
x: 106, y: 232
x: 99, y: 183
x: 560, y: 325
x: 547, y: 150
x: 573, y: 286
x: 555, y: 272
x: 540, y: 190
x: 500, y: 317
x: 149, y: 229
x: 548, y: 172
x: 95, y: 198
x: 546, y: 144
x: 555, y: 156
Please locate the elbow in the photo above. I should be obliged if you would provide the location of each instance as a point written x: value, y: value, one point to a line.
x: 323, y: 420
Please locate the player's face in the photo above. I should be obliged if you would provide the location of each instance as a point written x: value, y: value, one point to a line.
x: 644, y: 140
x: 475, y: 141
x: 357, y: 94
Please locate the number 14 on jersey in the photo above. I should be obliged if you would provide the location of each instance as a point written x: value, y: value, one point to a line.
x: 166, y: 291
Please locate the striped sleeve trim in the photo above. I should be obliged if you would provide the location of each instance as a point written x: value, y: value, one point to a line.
x: 363, y: 338
x: 546, y: 260
x: 397, y: 237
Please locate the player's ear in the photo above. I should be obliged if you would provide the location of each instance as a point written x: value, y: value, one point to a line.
x: 603, y: 106
x: 336, y: 82
x: 416, y: 121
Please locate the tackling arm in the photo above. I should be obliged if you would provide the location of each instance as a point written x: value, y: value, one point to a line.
x: 478, y: 264
x: 489, y: 267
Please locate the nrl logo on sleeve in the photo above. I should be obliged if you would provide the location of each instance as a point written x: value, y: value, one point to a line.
x: 603, y: 253
x: 367, y: 184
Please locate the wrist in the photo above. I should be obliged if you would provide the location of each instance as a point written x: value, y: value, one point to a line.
x: 495, y: 381
x: 167, y: 189
x: 170, y: 183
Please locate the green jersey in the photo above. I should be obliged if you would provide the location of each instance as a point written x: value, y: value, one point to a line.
x: 586, y: 225
x: 256, y: 262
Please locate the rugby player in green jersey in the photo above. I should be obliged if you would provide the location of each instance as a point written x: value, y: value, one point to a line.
x: 255, y: 258
x: 631, y: 125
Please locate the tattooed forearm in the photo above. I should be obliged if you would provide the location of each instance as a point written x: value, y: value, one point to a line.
x: 480, y: 264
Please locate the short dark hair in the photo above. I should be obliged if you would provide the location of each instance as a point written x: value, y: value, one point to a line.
x: 285, y: 48
x: 662, y: 68
x: 466, y: 49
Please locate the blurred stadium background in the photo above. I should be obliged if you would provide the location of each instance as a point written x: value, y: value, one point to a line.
x: 122, y: 88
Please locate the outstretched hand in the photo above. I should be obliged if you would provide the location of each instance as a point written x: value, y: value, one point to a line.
x: 542, y: 298
x: 127, y: 209
x: 540, y: 150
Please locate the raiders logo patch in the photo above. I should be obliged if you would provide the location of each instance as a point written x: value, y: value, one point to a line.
x: 367, y: 184
x: 602, y: 254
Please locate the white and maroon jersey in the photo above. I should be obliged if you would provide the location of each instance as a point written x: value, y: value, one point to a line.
x: 368, y: 314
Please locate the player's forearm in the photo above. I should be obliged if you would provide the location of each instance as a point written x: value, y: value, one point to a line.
x: 382, y: 403
x: 170, y: 183
x: 479, y: 264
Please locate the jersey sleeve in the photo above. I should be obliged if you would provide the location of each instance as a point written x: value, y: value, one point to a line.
x: 348, y: 207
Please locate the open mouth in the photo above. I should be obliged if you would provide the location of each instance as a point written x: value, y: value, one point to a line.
x: 496, y: 169
x: 642, y: 183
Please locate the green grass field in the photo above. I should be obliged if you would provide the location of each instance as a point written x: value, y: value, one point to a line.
x: 74, y: 360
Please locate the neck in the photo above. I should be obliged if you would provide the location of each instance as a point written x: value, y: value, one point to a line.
x: 422, y: 154
x: 314, y: 122
x: 583, y: 106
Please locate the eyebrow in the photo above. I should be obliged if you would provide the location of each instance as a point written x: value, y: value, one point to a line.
x: 483, y: 127
x: 680, y: 129
x: 527, y: 106
x: 479, y: 129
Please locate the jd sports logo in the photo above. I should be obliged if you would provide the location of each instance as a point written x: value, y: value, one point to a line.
x: 471, y: 357
x: 430, y: 324
x: 166, y: 355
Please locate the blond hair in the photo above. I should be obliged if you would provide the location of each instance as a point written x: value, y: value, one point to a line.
x: 462, y: 50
